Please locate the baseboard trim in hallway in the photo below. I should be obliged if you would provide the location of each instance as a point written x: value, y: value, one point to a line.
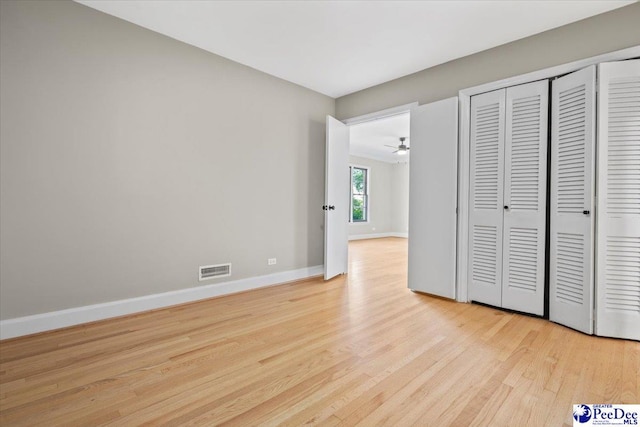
x: 377, y: 236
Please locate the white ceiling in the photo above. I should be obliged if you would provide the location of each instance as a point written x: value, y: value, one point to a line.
x: 339, y: 47
x: 369, y: 139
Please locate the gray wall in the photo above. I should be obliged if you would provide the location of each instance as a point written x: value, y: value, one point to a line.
x: 400, y: 198
x: 604, y: 33
x: 129, y: 159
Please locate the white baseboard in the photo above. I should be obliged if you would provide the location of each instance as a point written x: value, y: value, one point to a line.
x: 377, y: 236
x: 20, y: 326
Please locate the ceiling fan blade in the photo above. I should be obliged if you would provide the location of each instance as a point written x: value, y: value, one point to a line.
x: 395, y: 151
x: 391, y: 146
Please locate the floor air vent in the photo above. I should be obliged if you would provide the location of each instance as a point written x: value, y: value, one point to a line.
x: 214, y: 271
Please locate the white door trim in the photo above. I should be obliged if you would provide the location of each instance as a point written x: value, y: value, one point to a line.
x: 464, y: 148
x: 377, y: 115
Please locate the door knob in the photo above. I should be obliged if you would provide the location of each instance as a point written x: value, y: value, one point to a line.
x: 585, y: 212
x: 506, y: 207
x: 331, y: 207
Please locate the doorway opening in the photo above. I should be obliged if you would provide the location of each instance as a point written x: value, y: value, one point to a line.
x: 359, y: 178
x: 433, y: 192
x: 379, y: 153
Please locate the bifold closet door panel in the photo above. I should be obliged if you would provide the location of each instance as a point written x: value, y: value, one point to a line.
x: 486, y: 197
x: 573, y: 125
x: 525, y: 190
x: 618, y: 254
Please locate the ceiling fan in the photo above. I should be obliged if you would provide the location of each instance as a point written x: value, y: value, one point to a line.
x: 401, y: 149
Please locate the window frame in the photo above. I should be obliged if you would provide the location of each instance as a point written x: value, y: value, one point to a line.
x: 366, y: 196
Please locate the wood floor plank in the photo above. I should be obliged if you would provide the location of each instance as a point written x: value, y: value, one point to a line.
x: 360, y: 349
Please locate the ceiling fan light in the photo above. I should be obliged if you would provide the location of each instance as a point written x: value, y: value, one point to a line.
x: 402, y: 152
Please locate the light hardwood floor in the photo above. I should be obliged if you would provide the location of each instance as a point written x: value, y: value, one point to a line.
x: 359, y: 349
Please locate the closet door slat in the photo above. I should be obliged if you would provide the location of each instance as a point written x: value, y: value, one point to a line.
x: 573, y: 123
x: 618, y: 254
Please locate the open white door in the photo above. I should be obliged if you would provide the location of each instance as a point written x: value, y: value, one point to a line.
x: 573, y: 125
x: 433, y: 198
x: 336, y: 207
x: 618, y: 257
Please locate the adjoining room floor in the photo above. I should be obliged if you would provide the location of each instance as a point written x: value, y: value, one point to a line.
x: 359, y: 349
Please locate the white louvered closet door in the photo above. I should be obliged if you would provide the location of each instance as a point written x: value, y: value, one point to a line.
x: 572, y: 182
x: 525, y: 190
x: 618, y: 255
x: 486, y: 197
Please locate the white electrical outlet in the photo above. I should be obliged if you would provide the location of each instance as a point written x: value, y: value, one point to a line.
x: 272, y: 261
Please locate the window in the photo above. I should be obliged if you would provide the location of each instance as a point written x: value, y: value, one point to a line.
x: 359, y: 211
